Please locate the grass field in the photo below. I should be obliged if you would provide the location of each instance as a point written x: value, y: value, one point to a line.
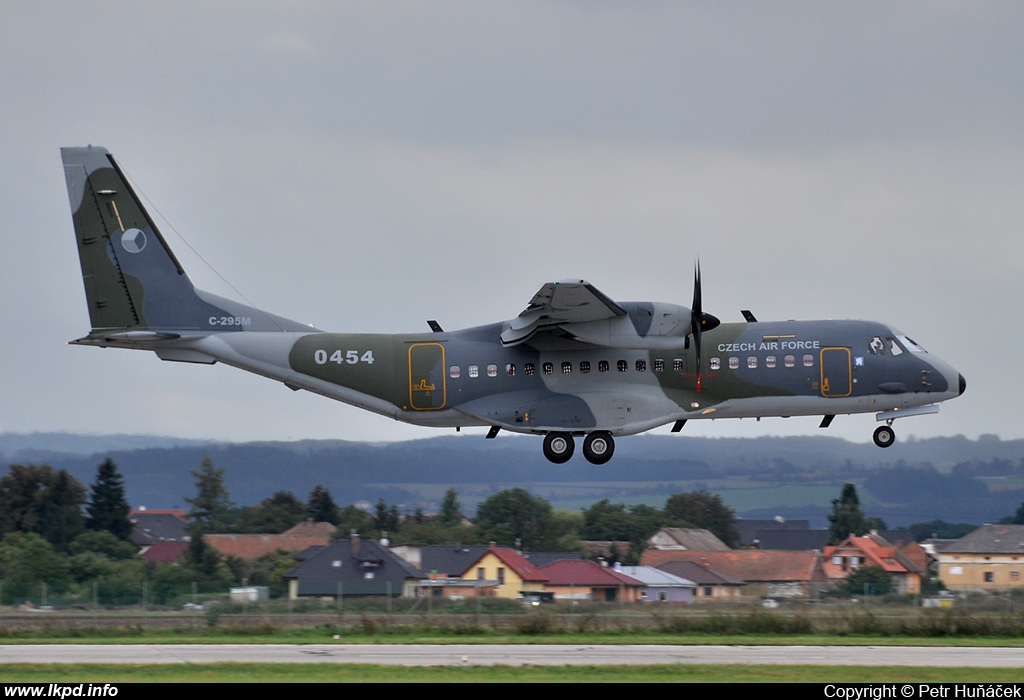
x: 368, y: 673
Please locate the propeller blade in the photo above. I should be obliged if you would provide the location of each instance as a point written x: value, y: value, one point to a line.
x: 699, y: 321
x: 696, y: 315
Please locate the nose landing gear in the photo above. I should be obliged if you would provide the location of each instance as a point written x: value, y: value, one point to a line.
x: 884, y: 436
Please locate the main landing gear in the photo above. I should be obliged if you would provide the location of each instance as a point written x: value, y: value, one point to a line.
x: 598, y: 447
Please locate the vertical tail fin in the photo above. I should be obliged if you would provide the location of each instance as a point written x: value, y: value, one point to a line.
x: 134, y: 285
x: 132, y: 279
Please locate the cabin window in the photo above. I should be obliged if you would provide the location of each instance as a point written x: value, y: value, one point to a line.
x: 548, y: 368
x: 510, y: 369
x: 769, y: 362
x: 622, y: 365
x: 790, y: 361
x: 677, y: 365
x: 492, y: 370
x: 585, y: 366
x: 659, y: 365
x: 473, y: 371
x: 715, y: 363
x: 752, y: 362
x: 528, y: 369
x: 734, y: 363
x: 641, y: 365
x: 602, y: 366
x: 566, y: 368
x: 808, y: 360
x: 454, y: 371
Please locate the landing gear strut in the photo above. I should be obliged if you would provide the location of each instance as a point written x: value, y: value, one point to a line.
x: 884, y: 436
x: 558, y: 447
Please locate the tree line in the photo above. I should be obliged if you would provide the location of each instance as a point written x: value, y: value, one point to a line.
x: 54, y: 529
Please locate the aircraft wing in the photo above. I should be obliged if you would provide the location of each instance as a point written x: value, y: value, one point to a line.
x: 557, y: 304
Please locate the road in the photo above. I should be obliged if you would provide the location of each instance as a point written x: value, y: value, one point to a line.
x: 511, y: 654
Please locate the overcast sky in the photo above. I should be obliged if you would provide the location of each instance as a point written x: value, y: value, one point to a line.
x: 368, y: 166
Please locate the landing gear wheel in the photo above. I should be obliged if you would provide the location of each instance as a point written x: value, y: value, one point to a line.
x: 558, y: 447
x: 884, y: 436
x: 598, y: 448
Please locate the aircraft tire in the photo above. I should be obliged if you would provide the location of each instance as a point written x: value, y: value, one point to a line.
x: 598, y: 447
x: 884, y: 436
x: 558, y: 447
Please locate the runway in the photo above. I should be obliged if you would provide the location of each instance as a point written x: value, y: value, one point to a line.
x: 511, y: 654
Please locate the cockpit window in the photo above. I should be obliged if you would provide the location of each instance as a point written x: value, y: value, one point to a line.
x: 877, y: 346
x: 910, y: 345
x: 893, y: 346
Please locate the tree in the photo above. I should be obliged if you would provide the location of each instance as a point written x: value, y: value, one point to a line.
x: 212, y: 505
x: 61, y: 518
x: 872, y: 579
x: 704, y: 510
x: 514, y: 517
x: 451, y: 511
x: 200, y: 555
x: 37, y: 499
x: 1017, y: 518
x: 271, y: 515
x: 108, y: 508
x: 353, y: 519
x: 322, y: 508
x: 846, y: 518
x: 386, y: 519
x: 26, y: 558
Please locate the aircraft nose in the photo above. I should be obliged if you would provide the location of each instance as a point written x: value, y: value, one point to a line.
x: 963, y: 384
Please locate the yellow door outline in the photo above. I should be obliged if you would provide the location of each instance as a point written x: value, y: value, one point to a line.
x: 838, y: 383
x: 426, y: 359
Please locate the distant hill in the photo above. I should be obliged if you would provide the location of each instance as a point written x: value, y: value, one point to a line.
x: 761, y: 477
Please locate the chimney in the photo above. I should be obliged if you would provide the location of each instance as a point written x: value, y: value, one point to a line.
x: 355, y: 543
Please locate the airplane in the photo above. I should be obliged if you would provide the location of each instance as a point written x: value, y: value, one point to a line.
x: 573, y: 364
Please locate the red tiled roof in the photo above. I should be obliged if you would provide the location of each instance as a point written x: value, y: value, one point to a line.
x: 309, y: 528
x: 513, y: 560
x: 164, y: 552
x: 255, y: 546
x: 875, y: 549
x: 583, y: 572
x: 145, y: 511
x: 747, y: 564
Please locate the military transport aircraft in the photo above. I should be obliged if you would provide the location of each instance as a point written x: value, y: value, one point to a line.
x: 573, y: 364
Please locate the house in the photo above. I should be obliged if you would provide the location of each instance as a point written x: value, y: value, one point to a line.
x: 151, y: 526
x: 445, y: 559
x: 752, y: 530
x: 252, y: 547
x: 512, y: 573
x: 163, y: 552
x: 792, y: 540
x: 660, y: 586
x: 872, y: 549
x: 990, y: 558
x: 587, y: 580
x: 686, y: 538
x: 711, y: 585
x: 352, y: 567
x: 772, y: 573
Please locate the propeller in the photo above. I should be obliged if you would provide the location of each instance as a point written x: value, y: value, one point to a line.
x: 699, y: 321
